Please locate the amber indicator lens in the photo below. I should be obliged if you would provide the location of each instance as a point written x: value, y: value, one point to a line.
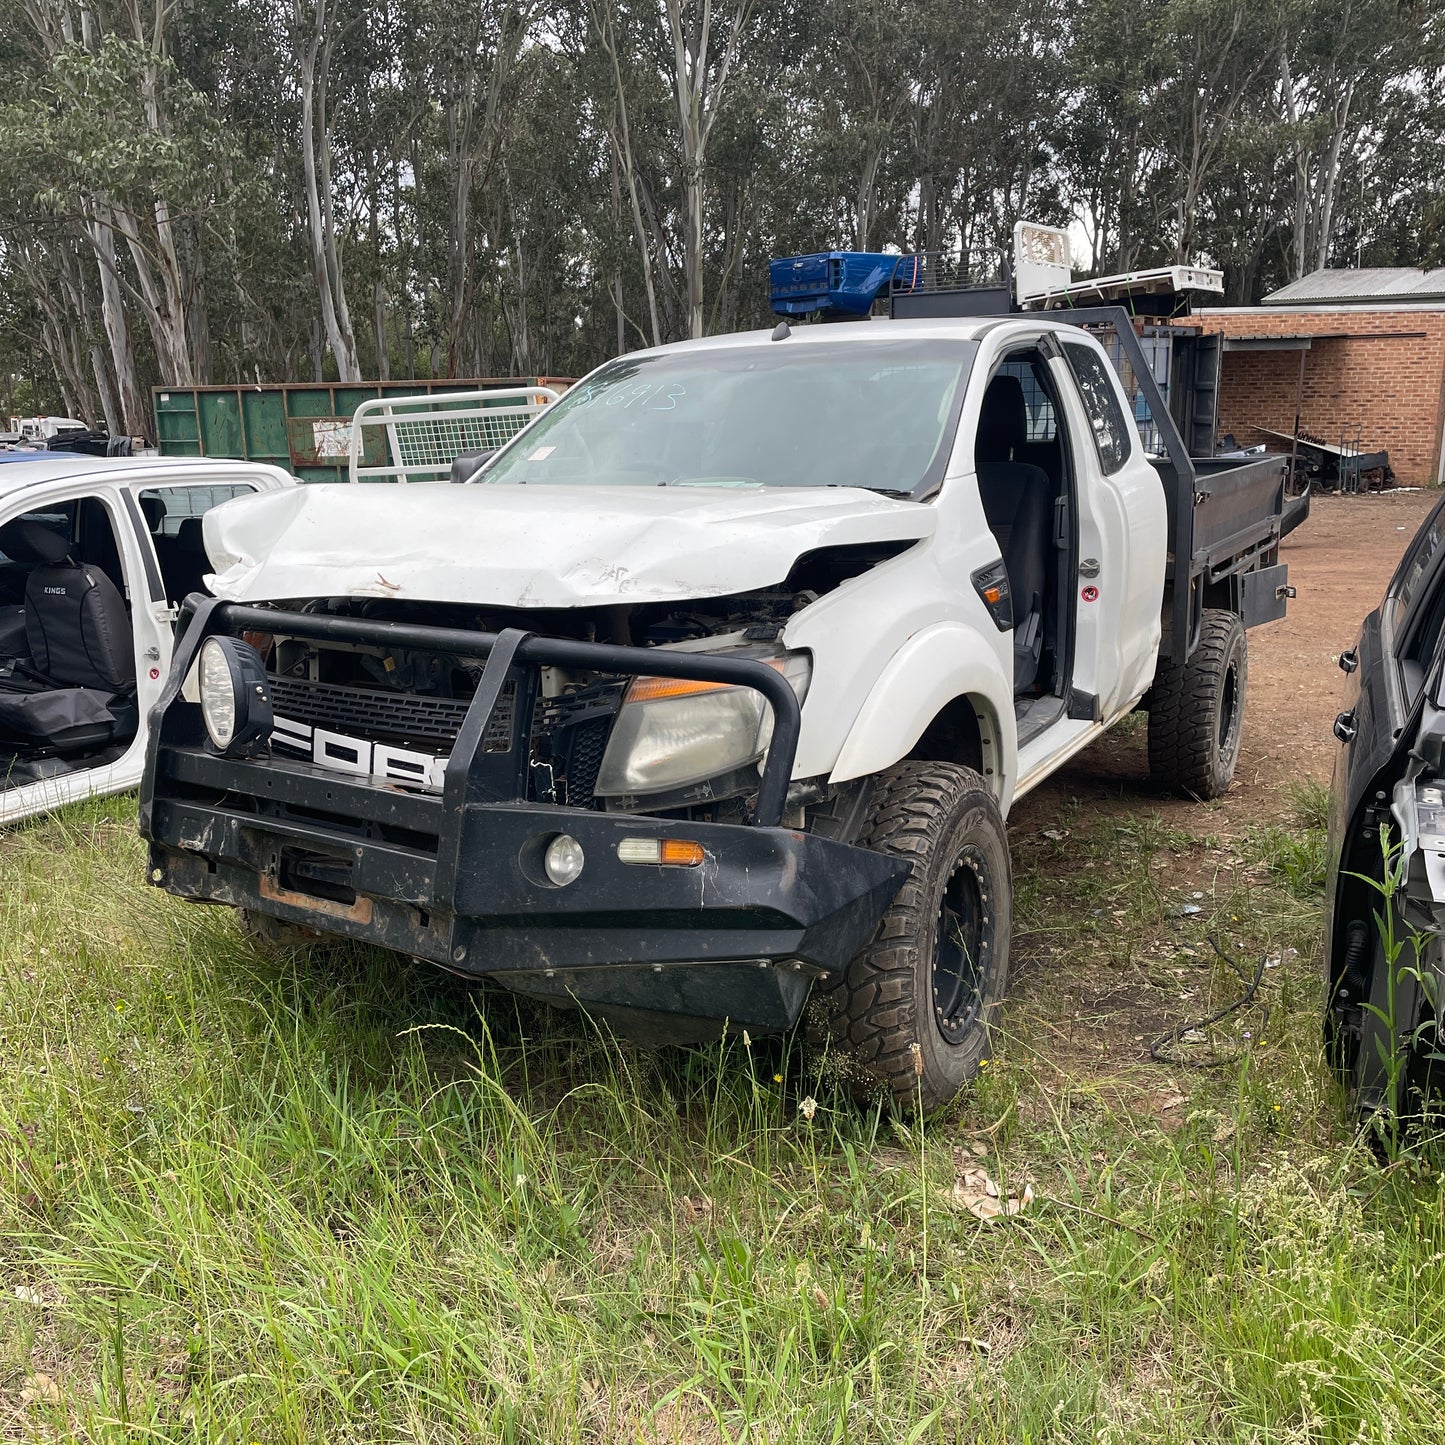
x: 656, y: 689
x: 991, y: 584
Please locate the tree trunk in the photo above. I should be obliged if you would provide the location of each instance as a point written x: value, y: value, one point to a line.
x: 867, y: 189
x: 325, y: 261
x: 639, y: 228
x: 474, y: 148
x: 109, y: 402
x: 378, y: 292
x: 172, y: 287
x: 63, y: 306
x: 198, y: 321
x: 620, y: 311
x: 459, y: 128
x: 1331, y: 179
x: 698, y: 84
x: 624, y: 157
x: 383, y: 359
x: 135, y: 416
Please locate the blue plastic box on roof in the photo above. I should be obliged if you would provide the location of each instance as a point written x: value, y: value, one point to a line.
x: 839, y: 283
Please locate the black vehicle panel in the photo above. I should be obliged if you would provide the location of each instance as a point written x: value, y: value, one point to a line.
x: 1398, y: 646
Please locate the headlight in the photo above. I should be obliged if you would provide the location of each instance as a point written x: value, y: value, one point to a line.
x: 672, y: 733
x: 235, y: 697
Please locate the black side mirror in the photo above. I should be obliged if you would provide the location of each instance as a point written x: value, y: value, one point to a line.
x: 469, y: 464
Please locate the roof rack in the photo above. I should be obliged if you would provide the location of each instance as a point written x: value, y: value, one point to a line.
x: 847, y: 285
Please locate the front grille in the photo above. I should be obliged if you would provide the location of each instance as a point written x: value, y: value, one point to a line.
x: 571, y: 731
x: 576, y: 729
x: 394, y: 717
x: 589, y: 743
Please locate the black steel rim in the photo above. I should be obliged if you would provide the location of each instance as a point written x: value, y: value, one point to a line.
x: 960, y: 957
x: 1229, y: 710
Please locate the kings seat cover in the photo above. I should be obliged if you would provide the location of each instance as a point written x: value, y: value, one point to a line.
x: 79, y: 633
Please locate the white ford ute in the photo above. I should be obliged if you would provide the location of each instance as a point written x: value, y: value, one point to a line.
x: 95, y: 557
x: 703, y: 702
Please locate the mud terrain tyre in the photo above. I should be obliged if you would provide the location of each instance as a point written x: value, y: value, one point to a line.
x: 911, y: 1016
x: 1196, y: 712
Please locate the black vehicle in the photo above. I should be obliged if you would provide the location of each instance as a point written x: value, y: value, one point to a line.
x: 1386, y: 879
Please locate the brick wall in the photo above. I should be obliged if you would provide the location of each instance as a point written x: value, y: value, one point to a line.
x: 1386, y: 377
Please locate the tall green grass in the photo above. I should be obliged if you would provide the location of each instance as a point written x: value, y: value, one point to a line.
x: 338, y: 1196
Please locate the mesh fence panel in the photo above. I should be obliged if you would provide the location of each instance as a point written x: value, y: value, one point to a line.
x: 421, y: 437
x: 436, y: 442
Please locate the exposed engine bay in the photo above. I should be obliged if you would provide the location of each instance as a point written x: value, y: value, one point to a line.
x: 602, y: 742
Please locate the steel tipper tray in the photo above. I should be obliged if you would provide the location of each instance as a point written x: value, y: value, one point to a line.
x: 457, y: 878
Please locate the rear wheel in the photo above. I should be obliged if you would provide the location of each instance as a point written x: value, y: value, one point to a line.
x: 1196, y: 712
x: 912, y: 1015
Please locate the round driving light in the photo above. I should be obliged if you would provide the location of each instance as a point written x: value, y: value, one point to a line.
x: 235, y: 694
x: 563, y: 860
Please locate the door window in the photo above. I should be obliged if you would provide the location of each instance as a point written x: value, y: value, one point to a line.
x: 1041, y: 423
x: 1414, y: 611
x: 1101, y: 406
x: 173, y: 518
x: 166, y: 508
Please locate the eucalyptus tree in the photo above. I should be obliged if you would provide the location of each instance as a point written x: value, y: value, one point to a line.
x: 257, y: 188
x: 1337, y: 62
x: 112, y: 140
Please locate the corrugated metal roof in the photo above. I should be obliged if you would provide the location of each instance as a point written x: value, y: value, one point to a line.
x: 1369, y: 283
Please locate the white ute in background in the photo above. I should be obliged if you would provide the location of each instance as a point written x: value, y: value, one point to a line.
x: 96, y: 556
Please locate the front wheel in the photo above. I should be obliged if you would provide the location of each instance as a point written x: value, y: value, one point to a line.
x: 1196, y: 712
x: 912, y: 1014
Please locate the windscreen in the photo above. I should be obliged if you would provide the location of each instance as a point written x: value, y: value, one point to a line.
x: 860, y: 414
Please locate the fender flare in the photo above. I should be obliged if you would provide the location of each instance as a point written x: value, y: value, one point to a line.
x: 930, y: 670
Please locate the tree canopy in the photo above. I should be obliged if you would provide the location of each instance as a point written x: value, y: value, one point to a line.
x: 198, y: 191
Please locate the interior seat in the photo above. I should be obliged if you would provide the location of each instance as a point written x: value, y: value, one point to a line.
x: 189, y: 559
x: 164, y: 545
x: 13, y: 646
x: 77, y: 687
x: 153, y: 509
x: 12, y: 611
x: 1018, y: 502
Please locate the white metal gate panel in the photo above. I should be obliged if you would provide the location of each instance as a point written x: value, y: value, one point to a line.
x: 426, y: 434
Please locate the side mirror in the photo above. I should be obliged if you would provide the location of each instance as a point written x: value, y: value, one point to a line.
x: 466, y: 466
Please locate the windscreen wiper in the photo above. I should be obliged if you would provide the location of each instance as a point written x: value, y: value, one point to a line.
x: 900, y: 494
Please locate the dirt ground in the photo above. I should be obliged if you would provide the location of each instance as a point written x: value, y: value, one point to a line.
x: 1339, y: 562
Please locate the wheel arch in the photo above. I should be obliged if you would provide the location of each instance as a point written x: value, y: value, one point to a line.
x: 942, y: 698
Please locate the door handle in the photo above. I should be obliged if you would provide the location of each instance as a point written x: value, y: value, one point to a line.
x: 1345, y: 727
x: 1349, y: 660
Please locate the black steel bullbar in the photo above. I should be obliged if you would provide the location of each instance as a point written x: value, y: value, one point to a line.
x: 465, y: 781
x: 447, y: 878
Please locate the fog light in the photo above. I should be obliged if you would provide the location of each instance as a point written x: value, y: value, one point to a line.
x: 235, y: 695
x: 563, y: 860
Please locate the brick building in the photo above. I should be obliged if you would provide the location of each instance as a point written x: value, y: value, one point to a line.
x: 1370, y: 347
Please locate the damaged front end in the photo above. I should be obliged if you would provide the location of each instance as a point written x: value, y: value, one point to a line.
x: 512, y: 805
